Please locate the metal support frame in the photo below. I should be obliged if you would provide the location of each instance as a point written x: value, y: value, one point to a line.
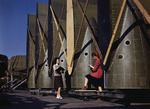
x: 19, y: 84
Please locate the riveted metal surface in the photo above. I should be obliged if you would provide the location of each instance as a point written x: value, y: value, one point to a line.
x: 44, y: 81
x: 129, y: 66
x: 85, y: 58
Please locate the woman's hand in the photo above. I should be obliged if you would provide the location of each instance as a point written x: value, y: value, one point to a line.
x: 61, y: 71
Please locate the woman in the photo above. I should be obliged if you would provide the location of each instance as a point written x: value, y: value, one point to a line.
x: 57, y: 77
x: 96, y: 75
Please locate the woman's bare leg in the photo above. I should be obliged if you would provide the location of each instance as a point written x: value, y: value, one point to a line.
x: 58, y: 92
x: 100, y: 89
x: 86, y: 81
x: 85, y: 84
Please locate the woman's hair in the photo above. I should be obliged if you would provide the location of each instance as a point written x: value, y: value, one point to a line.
x: 55, y: 60
x: 94, y: 53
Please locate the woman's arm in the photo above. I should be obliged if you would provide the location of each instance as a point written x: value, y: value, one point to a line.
x: 55, y: 67
x: 97, y: 64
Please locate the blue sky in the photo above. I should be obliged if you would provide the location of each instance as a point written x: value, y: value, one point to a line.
x: 13, y: 25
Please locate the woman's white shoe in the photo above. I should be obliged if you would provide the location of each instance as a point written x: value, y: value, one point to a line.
x: 58, y: 97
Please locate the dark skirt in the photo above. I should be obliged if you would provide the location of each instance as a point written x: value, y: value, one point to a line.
x: 96, y: 82
x: 58, y: 82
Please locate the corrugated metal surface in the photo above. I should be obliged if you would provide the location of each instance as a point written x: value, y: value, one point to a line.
x: 145, y: 4
x: 43, y: 80
x: 31, y: 39
x: 31, y: 50
x: 42, y: 15
x: 58, y: 7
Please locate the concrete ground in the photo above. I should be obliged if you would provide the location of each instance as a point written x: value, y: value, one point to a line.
x: 24, y: 100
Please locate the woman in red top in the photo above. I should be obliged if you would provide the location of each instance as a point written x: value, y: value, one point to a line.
x: 96, y: 75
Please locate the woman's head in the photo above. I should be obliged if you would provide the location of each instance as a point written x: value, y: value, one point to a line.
x: 56, y: 61
x: 95, y: 54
